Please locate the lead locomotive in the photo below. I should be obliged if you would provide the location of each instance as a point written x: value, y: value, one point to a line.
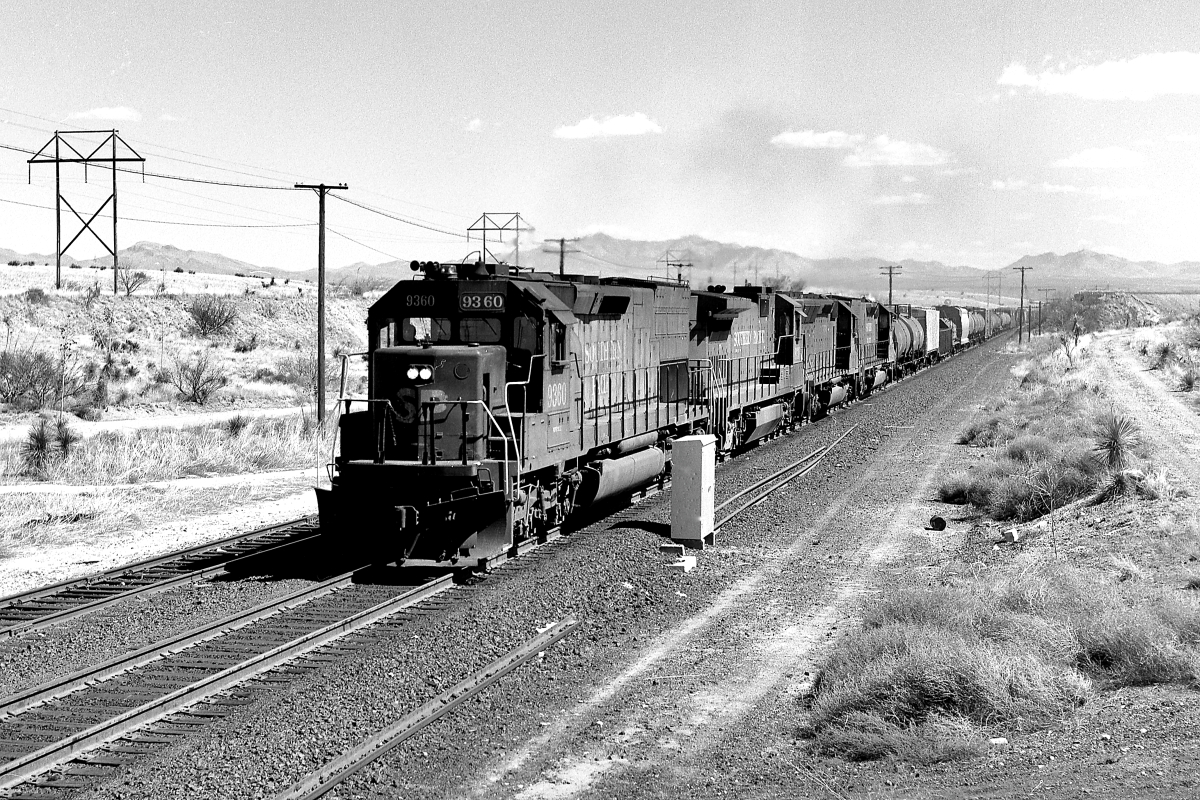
x: 501, y: 402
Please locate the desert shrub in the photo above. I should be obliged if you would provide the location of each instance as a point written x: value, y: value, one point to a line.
x: 236, y: 424
x: 90, y: 295
x: 1029, y: 448
x: 178, y: 269
x: 1163, y: 353
x: 300, y: 370
x: 131, y: 281
x: 89, y: 413
x: 198, y: 377
x: 246, y: 345
x: 36, y: 296
x: 359, y: 285
x: 268, y: 309
x: 46, y: 442
x: 1116, y: 437
x: 988, y: 432
x: 933, y: 668
x: 212, y: 315
x: 967, y: 487
x: 38, y: 448
x: 1187, y: 379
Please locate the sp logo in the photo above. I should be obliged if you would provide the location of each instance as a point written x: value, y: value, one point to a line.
x: 405, y: 405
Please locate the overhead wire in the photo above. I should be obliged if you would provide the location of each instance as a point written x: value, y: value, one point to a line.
x: 360, y: 244
x: 170, y: 222
x: 398, y: 218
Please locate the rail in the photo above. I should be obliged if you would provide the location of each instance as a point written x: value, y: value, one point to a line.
x: 328, y: 777
x: 49, y: 605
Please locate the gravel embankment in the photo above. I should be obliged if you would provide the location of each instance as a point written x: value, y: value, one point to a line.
x: 645, y: 682
x: 59, y: 650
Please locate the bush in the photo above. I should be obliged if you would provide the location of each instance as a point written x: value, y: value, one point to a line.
x: 46, y: 442
x: 246, y: 345
x: 236, y: 424
x: 933, y: 669
x: 198, y: 378
x: 1116, y: 437
x: 987, y: 433
x: 178, y: 269
x: 212, y: 315
x: 131, y: 281
x: 1029, y: 449
x: 36, y: 296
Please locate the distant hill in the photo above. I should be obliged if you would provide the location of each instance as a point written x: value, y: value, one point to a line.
x: 1085, y: 269
x: 715, y: 262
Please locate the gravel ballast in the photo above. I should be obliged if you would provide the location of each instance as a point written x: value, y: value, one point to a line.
x: 637, y: 700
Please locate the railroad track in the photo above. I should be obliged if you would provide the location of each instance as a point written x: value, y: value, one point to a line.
x: 58, y: 602
x: 87, y: 725
x: 79, y: 730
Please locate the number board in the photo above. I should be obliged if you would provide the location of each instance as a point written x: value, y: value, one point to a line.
x: 425, y: 301
x: 481, y: 302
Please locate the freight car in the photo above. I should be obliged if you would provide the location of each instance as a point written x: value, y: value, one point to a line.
x: 500, y: 402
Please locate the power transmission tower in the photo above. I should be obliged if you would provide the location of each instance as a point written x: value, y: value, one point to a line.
x: 517, y: 241
x: 1021, y: 315
x: 562, y: 252
x: 111, y: 138
x: 891, y: 270
x: 495, y: 221
x: 675, y: 259
x: 321, y: 189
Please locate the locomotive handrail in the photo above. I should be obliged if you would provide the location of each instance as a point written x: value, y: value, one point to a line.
x: 462, y: 404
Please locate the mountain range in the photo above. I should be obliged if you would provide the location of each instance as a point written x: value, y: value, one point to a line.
x: 704, y: 262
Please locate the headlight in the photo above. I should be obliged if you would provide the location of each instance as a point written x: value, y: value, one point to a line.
x: 425, y: 373
x: 412, y: 373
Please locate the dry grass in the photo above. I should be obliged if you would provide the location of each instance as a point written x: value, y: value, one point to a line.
x: 161, y: 454
x: 38, y: 523
x: 933, y: 670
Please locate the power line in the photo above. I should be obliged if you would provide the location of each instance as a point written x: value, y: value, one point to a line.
x: 397, y: 218
x: 165, y: 176
x: 172, y: 222
x: 360, y: 244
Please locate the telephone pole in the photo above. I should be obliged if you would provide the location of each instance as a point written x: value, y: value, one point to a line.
x: 57, y: 157
x: 321, y: 189
x: 1046, y: 300
x: 893, y: 270
x: 1021, y: 315
x: 562, y: 252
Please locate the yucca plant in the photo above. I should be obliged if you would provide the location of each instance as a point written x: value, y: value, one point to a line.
x: 1116, y: 437
x: 38, y: 448
x: 65, y: 437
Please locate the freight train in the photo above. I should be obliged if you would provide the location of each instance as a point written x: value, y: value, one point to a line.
x: 502, y: 401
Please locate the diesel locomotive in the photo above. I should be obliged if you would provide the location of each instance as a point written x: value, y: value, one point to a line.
x: 502, y: 401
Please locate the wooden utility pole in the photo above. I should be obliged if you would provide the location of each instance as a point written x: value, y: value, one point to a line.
x: 321, y: 189
x: 562, y: 252
x: 890, y: 272
x: 1046, y: 300
x: 1021, y: 315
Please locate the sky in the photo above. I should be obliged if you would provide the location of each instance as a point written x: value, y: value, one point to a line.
x: 965, y: 131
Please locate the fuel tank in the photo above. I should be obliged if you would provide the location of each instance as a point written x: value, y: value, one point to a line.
x: 763, y: 421
x: 612, y: 476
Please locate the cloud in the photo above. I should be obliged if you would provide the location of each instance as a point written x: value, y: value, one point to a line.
x: 474, y: 125
x: 1009, y: 185
x: 1142, y: 77
x: 910, y: 199
x: 168, y: 118
x: 886, y: 152
x: 1058, y: 188
x: 634, y: 124
x: 1102, y: 158
x: 115, y: 114
x: 811, y: 140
